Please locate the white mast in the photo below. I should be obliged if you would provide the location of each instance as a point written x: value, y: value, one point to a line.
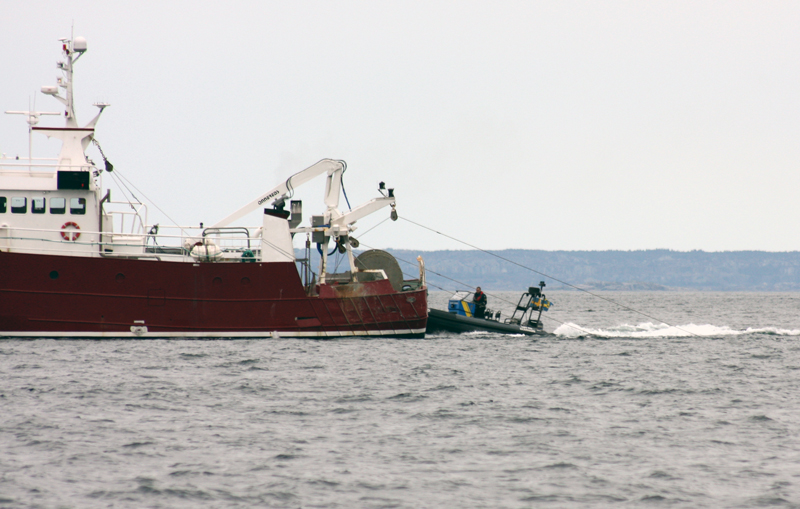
x: 74, y: 139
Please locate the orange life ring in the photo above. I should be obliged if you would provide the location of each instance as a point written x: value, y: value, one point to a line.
x: 71, y: 235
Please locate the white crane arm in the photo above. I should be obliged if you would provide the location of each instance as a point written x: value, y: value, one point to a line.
x: 332, y: 167
x: 343, y: 222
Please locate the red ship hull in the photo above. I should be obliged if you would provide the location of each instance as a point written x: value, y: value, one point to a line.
x: 67, y: 296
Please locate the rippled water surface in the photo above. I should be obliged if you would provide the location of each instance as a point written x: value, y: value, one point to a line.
x: 615, y: 408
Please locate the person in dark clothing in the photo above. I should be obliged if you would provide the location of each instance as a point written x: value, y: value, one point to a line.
x: 480, y: 303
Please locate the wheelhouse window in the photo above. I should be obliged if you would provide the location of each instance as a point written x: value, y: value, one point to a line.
x: 2, y: 204
x: 19, y: 205
x: 58, y: 205
x: 37, y: 206
x: 77, y: 206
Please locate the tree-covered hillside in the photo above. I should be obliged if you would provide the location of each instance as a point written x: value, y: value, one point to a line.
x: 657, y: 269
x: 612, y: 270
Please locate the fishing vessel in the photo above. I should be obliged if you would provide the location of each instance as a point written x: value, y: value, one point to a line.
x: 460, y: 315
x: 75, y: 263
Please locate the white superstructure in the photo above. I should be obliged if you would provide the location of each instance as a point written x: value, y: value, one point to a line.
x: 57, y: 206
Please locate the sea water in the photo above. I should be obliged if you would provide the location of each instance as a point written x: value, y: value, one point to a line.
x: 634, y: 399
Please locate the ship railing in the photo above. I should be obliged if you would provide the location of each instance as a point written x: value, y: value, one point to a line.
x: 126, y: 217
x: 81, y: 242
x: 15, y: 164
x: 26, y: 171
x: 231, y: 238
x: 45, y: 169
x: 231, y: 243
x: 73, y: 242
x: 139, y: 241
x: 4, y: 157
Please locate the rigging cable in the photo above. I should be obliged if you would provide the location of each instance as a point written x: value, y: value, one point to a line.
x: 460, y: 282
x: 494, y: 296
x: 275, y: 247
x: 123, y: 188
x: 341, y: 180
x: 377, y: 225
x: 121, y: 182
x: 148, y: 199
x: 551, y: 277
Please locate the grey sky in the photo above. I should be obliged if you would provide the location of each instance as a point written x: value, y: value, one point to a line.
x: 540, y: 125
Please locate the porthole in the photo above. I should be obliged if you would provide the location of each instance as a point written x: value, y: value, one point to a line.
x: 245, y: 281
x: 54, y: 274
x: 120, y: 277
x: 217, y: 281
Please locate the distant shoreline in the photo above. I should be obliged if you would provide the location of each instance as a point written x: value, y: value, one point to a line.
x: 642, y: 270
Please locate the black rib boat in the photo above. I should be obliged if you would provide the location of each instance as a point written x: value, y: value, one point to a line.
x: 459, y: 316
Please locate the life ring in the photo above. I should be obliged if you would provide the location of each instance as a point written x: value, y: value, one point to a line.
x: 71, y: 235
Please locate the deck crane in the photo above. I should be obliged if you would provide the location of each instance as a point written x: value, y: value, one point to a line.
x: 332, y: 224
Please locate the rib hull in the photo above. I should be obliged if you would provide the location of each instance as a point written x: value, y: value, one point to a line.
x: 443, y: 321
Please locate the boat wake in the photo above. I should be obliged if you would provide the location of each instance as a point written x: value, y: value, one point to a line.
x: 651, y: 330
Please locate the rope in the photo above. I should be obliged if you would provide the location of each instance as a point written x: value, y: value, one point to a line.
x: 548, y: 276
x: 341, y: 180
x: 494, y: 296
x: 456, y: 281
x: 148, y: 199
x: 377, y: 225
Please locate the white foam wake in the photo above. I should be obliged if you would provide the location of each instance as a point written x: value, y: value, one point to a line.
x: 662, y: 330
